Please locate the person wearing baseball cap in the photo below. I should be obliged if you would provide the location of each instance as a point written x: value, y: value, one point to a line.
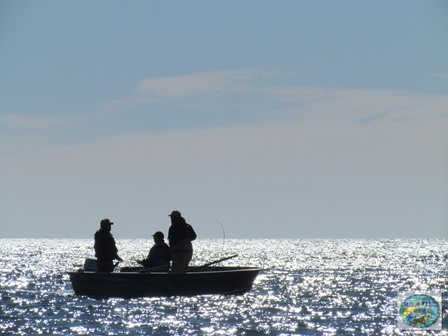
x: 159, y: 255
x: 105, y: 248
x: 180, y: 235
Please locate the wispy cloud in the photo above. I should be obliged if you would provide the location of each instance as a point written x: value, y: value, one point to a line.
x: 257, y: 92
x: 348, y: 106
x: 334, y: 149
x: 165, y: 89
x: 201, y: 83
x: 249, y: 96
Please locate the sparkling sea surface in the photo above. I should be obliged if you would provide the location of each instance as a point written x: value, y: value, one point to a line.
x: 306, y: 287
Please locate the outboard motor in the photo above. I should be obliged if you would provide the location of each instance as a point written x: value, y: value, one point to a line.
x: 90, y: 265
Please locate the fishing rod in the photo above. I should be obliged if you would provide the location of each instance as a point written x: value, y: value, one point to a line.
x: 223, y: 234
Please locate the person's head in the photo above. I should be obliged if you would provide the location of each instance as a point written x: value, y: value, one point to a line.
x: 175, y: 216
x: 158, y: 237
x: 106, y: 224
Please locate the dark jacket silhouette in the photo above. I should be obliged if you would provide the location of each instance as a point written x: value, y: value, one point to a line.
x: 105, y: 248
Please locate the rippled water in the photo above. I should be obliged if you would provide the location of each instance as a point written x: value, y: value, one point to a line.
x: 307, y: 287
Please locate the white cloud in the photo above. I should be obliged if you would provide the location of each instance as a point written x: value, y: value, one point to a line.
x: 347, y: 157
x: 309, y: 110
x: 164, y: 89
x: 326, y: 105
x: 200, y: 83
x: 256, y: 93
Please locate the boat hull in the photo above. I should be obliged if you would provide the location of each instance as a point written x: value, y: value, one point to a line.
x: 217, y: 280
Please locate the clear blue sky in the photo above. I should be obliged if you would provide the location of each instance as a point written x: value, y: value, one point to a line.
x: 278, y: 119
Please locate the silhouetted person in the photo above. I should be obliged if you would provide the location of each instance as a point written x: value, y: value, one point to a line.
x: 159, y: 254
x: 180, y: 236
x: 105, y: 249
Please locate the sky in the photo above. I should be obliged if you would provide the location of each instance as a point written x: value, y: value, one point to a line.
x: 255, y: 119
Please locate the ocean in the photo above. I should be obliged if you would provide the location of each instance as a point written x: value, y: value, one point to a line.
x: 306, y: 287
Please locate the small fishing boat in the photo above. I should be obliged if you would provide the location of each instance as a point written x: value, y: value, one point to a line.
x: 160, y: 282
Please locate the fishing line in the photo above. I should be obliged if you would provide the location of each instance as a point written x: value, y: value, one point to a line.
x: 223, y: 234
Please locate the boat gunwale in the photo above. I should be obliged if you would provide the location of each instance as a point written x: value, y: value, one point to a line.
x: 224, y: 270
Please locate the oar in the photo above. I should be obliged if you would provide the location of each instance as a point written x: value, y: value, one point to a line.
x: 213, y: 262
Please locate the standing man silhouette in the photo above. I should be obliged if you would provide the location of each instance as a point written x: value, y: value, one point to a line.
x: 105, y: 249
x: 180, y: 235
